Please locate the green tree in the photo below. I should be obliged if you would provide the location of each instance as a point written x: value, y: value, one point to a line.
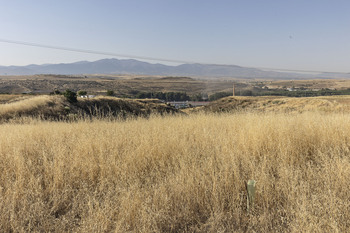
x: 110, y: 93
x: 71, y: 96
x: 219, y: 95
x: 80, y: 93
x: 196, y: 97
x: 247, y: 93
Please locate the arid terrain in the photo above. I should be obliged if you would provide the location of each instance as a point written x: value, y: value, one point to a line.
x: 130, y: 85
x: 174, y: 173
x: 121, y: 85
x: 175, y: 116
x: 125, y: 165
x: 278, y: 104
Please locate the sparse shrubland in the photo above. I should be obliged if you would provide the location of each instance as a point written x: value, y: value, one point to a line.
x: 177, y: 174
x: 339, y: 104
x: 10, y: 98
x: 38, y: 106
x: 57, y: 107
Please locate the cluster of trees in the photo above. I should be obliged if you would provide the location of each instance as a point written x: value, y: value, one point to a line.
x: 219, y: 95
x: 304, y: 93
x: 278, y: 92
x: 167, y: 96
x: 181, y: 96
x: 200, y: 97
x: 71, y: 96
x: 173, y: 96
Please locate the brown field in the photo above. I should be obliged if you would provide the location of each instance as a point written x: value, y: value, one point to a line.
x: 121, y: 85
x: 56, y: 107
x: 10, y: 98
x: 178, y: 173
x: 130, y: 85
x: 339, y: 104
x: 311, y: 84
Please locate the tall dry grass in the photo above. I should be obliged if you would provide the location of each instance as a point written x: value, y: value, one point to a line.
x: 6, y: 98
x: 177, y: 174
x: 57, y: 108
x: 327, y: 104
x: 36, y: 106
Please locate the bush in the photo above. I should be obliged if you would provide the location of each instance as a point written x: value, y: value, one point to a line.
x: 167, y: 96
x: 71, y: 96
x: 110, y: 93
x: 80, y: 93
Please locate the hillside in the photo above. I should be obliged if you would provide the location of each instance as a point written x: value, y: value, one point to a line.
x: 98, y: 84
x: 58, y: 108
x: 131, y: 66
x: 278, y: 104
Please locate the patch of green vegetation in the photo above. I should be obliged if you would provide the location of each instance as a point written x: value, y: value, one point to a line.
x: 81, y: 92
x: 219, y: 95
x: 167, y: 96
x: 110, y: 93
x: 71, y: 96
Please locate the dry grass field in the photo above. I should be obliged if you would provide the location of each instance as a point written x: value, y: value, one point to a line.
x: 310, y: 83
x: 11, y: 98
x: 121, y: 85
x: 340, y: 104
x: 177, y: 174
x: 55, y: 107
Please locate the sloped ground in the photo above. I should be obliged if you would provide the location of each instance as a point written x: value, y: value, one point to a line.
x: 110, y: 106
x: 58, y: 108
x: 11, y: 98
x: 279, y: 104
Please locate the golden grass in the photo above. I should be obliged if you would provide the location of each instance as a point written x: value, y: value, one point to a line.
x: 121, y: 85
x: 339, y: 84
x: 177, y: 174
x: 37, y: 106
x: 339, y: 104
x: 27, y: 104
x: 11, y: 98
x: 58, y: 108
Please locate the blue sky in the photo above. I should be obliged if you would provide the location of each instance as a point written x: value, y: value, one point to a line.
x: 282, y: 34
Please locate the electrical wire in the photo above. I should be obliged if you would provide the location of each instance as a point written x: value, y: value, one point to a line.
x: 91, y: 51
x: 149, y: 58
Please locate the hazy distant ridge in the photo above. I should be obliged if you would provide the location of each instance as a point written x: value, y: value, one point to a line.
x: 116, y: 66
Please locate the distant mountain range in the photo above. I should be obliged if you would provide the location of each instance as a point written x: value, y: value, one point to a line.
x: 131, y: 66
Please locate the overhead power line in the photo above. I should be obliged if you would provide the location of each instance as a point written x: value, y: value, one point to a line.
x: 91, y: 51
x: 39, y: 45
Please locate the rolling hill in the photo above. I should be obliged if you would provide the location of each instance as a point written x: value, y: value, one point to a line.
x: 131, y: 66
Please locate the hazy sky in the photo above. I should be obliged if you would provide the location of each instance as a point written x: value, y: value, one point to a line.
x: 287, y: 34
